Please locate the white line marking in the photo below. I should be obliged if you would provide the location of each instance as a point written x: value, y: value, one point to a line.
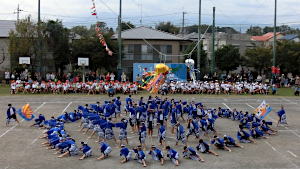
x: 45, y: 130
x: 292, y: 153
x: 293, y: 132
x: 226, y: 106
x: 7, y: 167
x: 280, y: 154
x: 20, y: 121
x: 250, y: 106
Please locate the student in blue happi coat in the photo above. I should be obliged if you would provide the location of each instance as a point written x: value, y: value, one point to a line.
x: 156, y: 154
x: 191, y: 153
x: 105, y: 149
x: 40, y: 121
x: 118, y: 106
x: 229, y: 142
x: 162, y: 135
x: 140, y: 155
x: 204, y: 148
x: 256, y: 133
x: 86, y: 149
x: 243, y: 136
x: 219, y: 143
x: 282, y: 117
x: 173, y: 155
x: 11, y: 114
x: 266, y: 128
x: 123, y: 131
x: 143, y: 135
x: 126, y: 153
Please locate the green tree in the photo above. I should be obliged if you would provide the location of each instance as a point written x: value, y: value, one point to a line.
x: 259, y: 57
x: 288, y: 56
x: 58, y: 40
x: 91, y: 47
x: 227, y: 58
x: 23, y: 42
x: 255, y: 31
x: 203, y: 59
x: 127, y: 25
x: 81, y: 30
x: 167, y: 27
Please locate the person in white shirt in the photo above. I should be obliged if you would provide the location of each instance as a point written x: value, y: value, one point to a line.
x: 171, y: 77
x: 7, y: 77
x: 112, y: 77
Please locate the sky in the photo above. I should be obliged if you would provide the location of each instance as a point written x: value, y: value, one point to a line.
x: 239, y: 14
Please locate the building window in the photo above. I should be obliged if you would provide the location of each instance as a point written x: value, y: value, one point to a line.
x: 128, y: 57
x: 167, y: 50
x: 128, y: 49
x: 147, y: 52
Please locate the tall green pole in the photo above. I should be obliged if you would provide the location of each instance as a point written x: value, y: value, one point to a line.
x: 274, y: 43
x: 120, y: 42
x: 199, y: 43
x: 213, y: 44
x: 39, y: 39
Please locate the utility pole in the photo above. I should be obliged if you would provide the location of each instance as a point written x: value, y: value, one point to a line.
x: 182, y: 31
x: 120, y: 42
x: 39, y: 39
x: 18, y: 13
x: 199, y: 43
x: 274, y: 43
x: 213, y: 45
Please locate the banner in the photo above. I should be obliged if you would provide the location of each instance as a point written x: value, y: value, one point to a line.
x: 263, y: 110
x: 26, y: 113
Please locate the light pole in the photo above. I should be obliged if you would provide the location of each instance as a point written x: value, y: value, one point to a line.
x: 120, y: 42
x: 199, y: 43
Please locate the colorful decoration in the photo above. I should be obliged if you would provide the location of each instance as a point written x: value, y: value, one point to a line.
x: 153, y: 79
x: 190, y: 64
x: 263, y: 110
x: 99, y: 32
x: 26, y: 113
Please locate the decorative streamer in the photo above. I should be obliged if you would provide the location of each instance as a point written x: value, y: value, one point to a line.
x: 99, y: 32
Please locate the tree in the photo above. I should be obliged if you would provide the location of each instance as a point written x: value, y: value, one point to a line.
x: 91, y: 47
x: 227, y: 58
x: 127, y: 25
x: 288, y: 56
x: 259, y: 57
x: 255, y: 31
x: 203, y: 59
x: 80, y: 30
x: 167, y: 27
x: 228, y: 30
x: 58, y: 39
x: 23, y: 41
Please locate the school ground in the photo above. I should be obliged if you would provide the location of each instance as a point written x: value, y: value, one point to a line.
x: 21, y: 146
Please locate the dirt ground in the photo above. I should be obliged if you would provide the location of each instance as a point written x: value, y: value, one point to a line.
x: 21, y: 146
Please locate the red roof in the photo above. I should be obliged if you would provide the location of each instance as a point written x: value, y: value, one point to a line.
x: 265, y: 37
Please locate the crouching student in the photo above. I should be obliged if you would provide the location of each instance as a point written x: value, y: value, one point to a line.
x: 191, y: 153
x: 243, y: 136
x: 173, y: 155
x: 40, y: 122
x: 126, y: 153
x: 219, y: 143
x: 156, y: 154
x: 72, y: 149
x: 86, y: 149
x: 105, y: 149
x: 204, y: 148
x: 140, y: 155
x: 256, y: 133
x: 230, y: 142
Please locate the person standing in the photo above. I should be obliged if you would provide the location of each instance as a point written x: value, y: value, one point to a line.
x: 107, y: 77
x: 123, y: 77
x: 277, y: 71
x: 11, y: 114
x: 171, y: 77
x: 7, y: 77
x: 282, y: 117
x: 112, y: 77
